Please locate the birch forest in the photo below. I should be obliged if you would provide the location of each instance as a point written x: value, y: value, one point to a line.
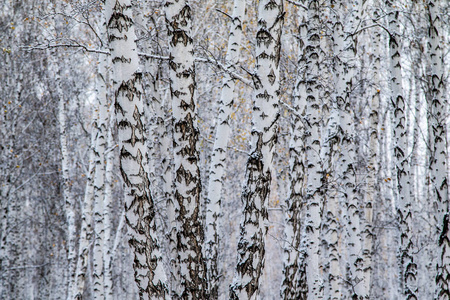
x: 212, y: 149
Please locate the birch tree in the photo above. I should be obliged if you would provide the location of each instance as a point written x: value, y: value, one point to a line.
x: 99, y: 182
x: 139, y: 206
x: 190, y: 267
x: 253, y: 228
x: 312, y: 142
x: 86, y: 222
x: 69, y: 201
x: 407, y: 265
x: 344, y: 50
x: 108, y: 212
x: 372, y: 192
x: 218, y: 157
x: 293, y: 285
x: 437, y: 112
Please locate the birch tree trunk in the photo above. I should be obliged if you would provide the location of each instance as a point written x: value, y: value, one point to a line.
x: 408, y: 268
x: 139, y: 206
x: 372, y: 193
x: 108, y: 212
x: 345, y: 50
x: 294, y: 282
x: 99, y: 181
x: 331, y: 227
x: 86, y: 219
x: 313, y: 164
x: 190, y: 266
x: 218, y: 157
x: 438, y: 140
x: 69, y: 201
x: 253, y: 228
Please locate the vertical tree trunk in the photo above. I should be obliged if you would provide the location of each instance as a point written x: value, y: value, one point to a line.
x: 253, y: 229
x: 372, y: 192
x: 108, y: 212
x: 218, y: 163
x: 408, y: 268
x: 345, y: 51
x: 86, y: 219
x: 313, y: 164
x: 69, y: 201
x: 189, y: 236
x: 139, y: 206
x: 99, y: 181
x: 294, y: 282
x: 437, y: 110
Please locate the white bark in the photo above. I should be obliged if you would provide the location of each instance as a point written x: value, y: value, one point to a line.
x: 293, y: 285
x: 372, y: 193
x: 346, y: 157
x: 438, y: 140
x: 99, y: 181
x: 139, y: 206
x: 108, y: 212
x: 69, y: 202
x: 189, y: 236
x: 86, y: 219
x: 332, y: 227
x: 312, y: 141
x: 408, y: 268
x: 218, y: 157
x: 255, y: 196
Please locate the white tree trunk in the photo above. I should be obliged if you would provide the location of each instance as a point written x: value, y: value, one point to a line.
x: 139, y: 206
x: 69, y: 202
x: 312, y: 142
x: 189, y: 235
x: 294, y: 285
x: 255, y: 196
x: 345, y: 176
x: 438, y: 140
x: 372, y: 193
x: 86, y: 218
x: 108, y: 212
x: 408, y: 268
x: 218, y: 157
x: 99, y: 180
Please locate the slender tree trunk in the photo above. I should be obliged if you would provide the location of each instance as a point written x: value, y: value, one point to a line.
x: 69, y: 201
x: 408, y: 268
x: 218, y: 158
x: 294, y: 285
x: 255, y: 196
x: 331, y: 228
x: 108, y: 212
x: 345, y: 50
x: 438, y: 140
x: 139, y: 206
x: 312, y: 142
x: 372, y: 193
x: 99, y: 181
x: 86, y: 219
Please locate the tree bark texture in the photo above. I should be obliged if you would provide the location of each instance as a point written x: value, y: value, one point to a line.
x: 253, y: 228
x: 139, y: 206
x: 219, y: 152
x: 188, y: 236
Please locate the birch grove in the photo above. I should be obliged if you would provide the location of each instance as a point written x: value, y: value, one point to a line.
x: 224, y: 149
